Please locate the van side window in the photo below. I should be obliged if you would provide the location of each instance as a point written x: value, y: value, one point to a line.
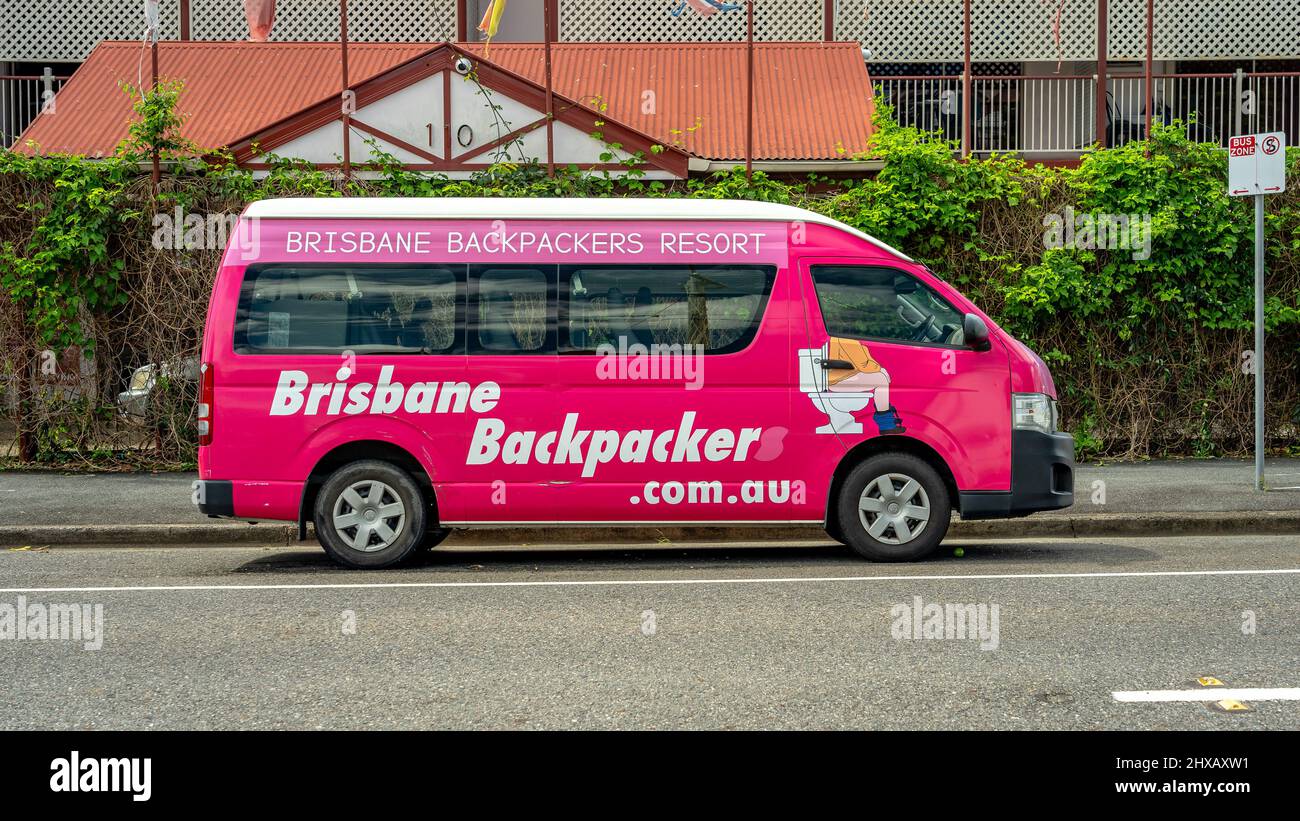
x: 512, y: 309
x: 874, y: 302
x: 358, y: 308
x: 716, y: 306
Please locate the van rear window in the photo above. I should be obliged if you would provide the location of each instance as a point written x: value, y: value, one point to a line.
x: 363, y: 309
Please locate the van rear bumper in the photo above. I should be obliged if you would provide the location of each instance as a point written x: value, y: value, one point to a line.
x: 248, y: 499
x: 1042, y: 478
x: 215, y: 497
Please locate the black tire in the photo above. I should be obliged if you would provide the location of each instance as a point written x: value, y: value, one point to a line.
x: 434, y: 536
x: 385, y: 484
x: 833, y: 526
x: 899, y: 538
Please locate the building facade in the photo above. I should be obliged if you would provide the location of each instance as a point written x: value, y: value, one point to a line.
x: 1034, y: 88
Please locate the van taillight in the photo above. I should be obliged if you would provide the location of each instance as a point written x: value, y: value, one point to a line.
x: 205, y: 404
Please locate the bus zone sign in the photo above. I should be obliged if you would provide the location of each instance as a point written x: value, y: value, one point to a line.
x: 1257, y: 164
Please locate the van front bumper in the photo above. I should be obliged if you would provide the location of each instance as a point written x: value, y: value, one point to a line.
x: 1042, y: 478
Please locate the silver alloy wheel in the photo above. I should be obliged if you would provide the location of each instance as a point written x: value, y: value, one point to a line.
x: 894, y: 508
x: 369, y: 515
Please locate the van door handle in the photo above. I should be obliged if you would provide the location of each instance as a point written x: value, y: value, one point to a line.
x: 837, y: 364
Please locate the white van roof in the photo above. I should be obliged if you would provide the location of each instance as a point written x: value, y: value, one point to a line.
x: 565, y: 208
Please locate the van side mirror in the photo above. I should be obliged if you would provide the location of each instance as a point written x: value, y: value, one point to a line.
x: 975, y: 333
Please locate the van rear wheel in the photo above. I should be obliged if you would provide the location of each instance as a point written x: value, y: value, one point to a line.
x: 369, y: 514
x: 894, y: 507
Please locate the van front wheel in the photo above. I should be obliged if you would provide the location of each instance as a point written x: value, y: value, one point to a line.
x: 894, y: 507
x: 369, y: 514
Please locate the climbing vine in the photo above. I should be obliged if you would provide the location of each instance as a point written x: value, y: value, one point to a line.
x: 1146, y: 349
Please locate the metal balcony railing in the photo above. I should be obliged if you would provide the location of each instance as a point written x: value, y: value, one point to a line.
x: 1059, y: 115
x: 1048, y: 116
x: 22, y: 98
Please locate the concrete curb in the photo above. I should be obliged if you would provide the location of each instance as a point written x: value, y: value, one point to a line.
x: 1094, y: 525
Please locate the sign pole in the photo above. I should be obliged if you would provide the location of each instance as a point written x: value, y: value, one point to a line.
x: 1259, y: 342
x: 1257, y: 168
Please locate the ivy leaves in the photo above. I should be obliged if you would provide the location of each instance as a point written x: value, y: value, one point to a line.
x: 68, y: 263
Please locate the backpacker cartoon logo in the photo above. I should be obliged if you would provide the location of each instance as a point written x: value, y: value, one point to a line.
x: 842, y: 379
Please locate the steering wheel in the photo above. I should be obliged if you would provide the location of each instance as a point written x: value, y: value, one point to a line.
x: 924, y: 327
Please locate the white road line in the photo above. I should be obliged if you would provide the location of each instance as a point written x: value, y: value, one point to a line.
x: 659, y: 582
x: 1212, y: 694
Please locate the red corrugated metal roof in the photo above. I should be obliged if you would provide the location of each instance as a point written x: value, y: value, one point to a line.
x: 231, y: 88
x: 812, y: 101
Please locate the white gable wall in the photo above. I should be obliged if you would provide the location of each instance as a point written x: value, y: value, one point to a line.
x: 472, y: 107
x: 408, y: 113
x: 569, y: 142
x: 324, y: 146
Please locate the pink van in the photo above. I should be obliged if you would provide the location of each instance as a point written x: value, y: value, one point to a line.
x: 393, y: 369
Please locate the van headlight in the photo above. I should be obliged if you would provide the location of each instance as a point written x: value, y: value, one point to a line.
x: 1033, y: 411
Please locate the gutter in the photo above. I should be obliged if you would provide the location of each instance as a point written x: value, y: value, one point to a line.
x: 699, y: 164
x: 1043, y: 525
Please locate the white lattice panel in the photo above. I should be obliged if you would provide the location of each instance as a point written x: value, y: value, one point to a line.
x: 646, y: 21
x: 894, y: 30
x: 931, y: 30
x: 899, y: 31
x: 368, y: 20
x: 1126, y: 30
x: 1029, y: 29
x: 1186, y: 29
x: 68, y: 29
x: 40, y: 30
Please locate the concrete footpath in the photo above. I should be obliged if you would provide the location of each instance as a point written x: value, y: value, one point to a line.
x: 1164, y: 498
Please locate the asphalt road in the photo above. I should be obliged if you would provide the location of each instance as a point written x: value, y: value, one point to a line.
x: 50, y: 498
x: 764, y: 637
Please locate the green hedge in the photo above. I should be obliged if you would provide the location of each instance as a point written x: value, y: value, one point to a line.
x: 1147, y: 352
